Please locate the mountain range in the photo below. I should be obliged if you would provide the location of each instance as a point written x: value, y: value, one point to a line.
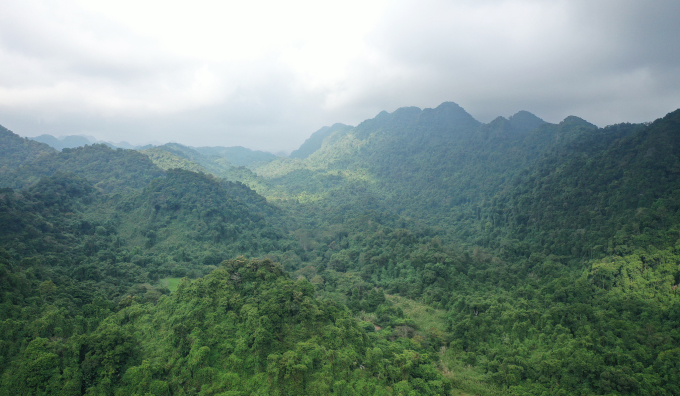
x: 419, y: 252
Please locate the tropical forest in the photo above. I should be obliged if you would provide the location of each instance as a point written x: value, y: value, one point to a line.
x: 420, y: 252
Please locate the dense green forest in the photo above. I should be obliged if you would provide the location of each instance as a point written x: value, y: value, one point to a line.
x: 420, y: 252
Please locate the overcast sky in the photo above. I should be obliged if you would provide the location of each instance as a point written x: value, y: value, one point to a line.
x: 267, y: 74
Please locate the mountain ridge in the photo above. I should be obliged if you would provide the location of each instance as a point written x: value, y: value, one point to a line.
x: 315, y: 141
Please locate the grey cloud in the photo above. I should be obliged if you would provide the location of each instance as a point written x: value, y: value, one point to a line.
x: 605, y: 61
x: 56, y: 44
x: 264, y: 111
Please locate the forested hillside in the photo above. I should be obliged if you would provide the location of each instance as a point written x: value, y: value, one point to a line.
x: 214, y: 160
x: 17, y: 151
x: 432, y: 164
x: 316, y: 140
x: 108, y: 169
x: 420, y: 252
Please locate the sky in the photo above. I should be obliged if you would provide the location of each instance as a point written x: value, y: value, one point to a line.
x: 267, y: 74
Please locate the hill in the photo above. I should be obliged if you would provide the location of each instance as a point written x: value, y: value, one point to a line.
x: 17, y: 151
x: 106, y: 168
x: 174, y: 155
x: 434, y: 165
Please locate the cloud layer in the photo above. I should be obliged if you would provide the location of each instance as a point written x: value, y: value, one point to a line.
x: 265, y: 75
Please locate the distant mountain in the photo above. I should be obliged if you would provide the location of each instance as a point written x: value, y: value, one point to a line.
x: 524, y: 121
x: 175, y: 155
x: 124, y: 145
x: 314, y: 142
x: 502, y: 128
x: 426, y: 163
x: 73, y: 141
x: 238, y: 156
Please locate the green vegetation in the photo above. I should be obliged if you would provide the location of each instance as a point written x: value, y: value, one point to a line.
x: 426, y: 317
x: 421, y: 252
x: 214, y: 160
x: 237, y: 156
x: 16, y: 151
x: 108, y: 169
x: 317, y: 139
x: 170, y: 283
x: 166, y: 160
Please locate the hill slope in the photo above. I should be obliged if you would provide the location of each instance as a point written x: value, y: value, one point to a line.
x: 109, y: 169
x: 316, y: 140
x: 16, y: 151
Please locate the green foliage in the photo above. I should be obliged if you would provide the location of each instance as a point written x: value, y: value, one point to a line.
x: 432, y: 254
x: 171, y: 283
x: 197, y: 217
x: 612, y: 191
x: 244, y: 328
